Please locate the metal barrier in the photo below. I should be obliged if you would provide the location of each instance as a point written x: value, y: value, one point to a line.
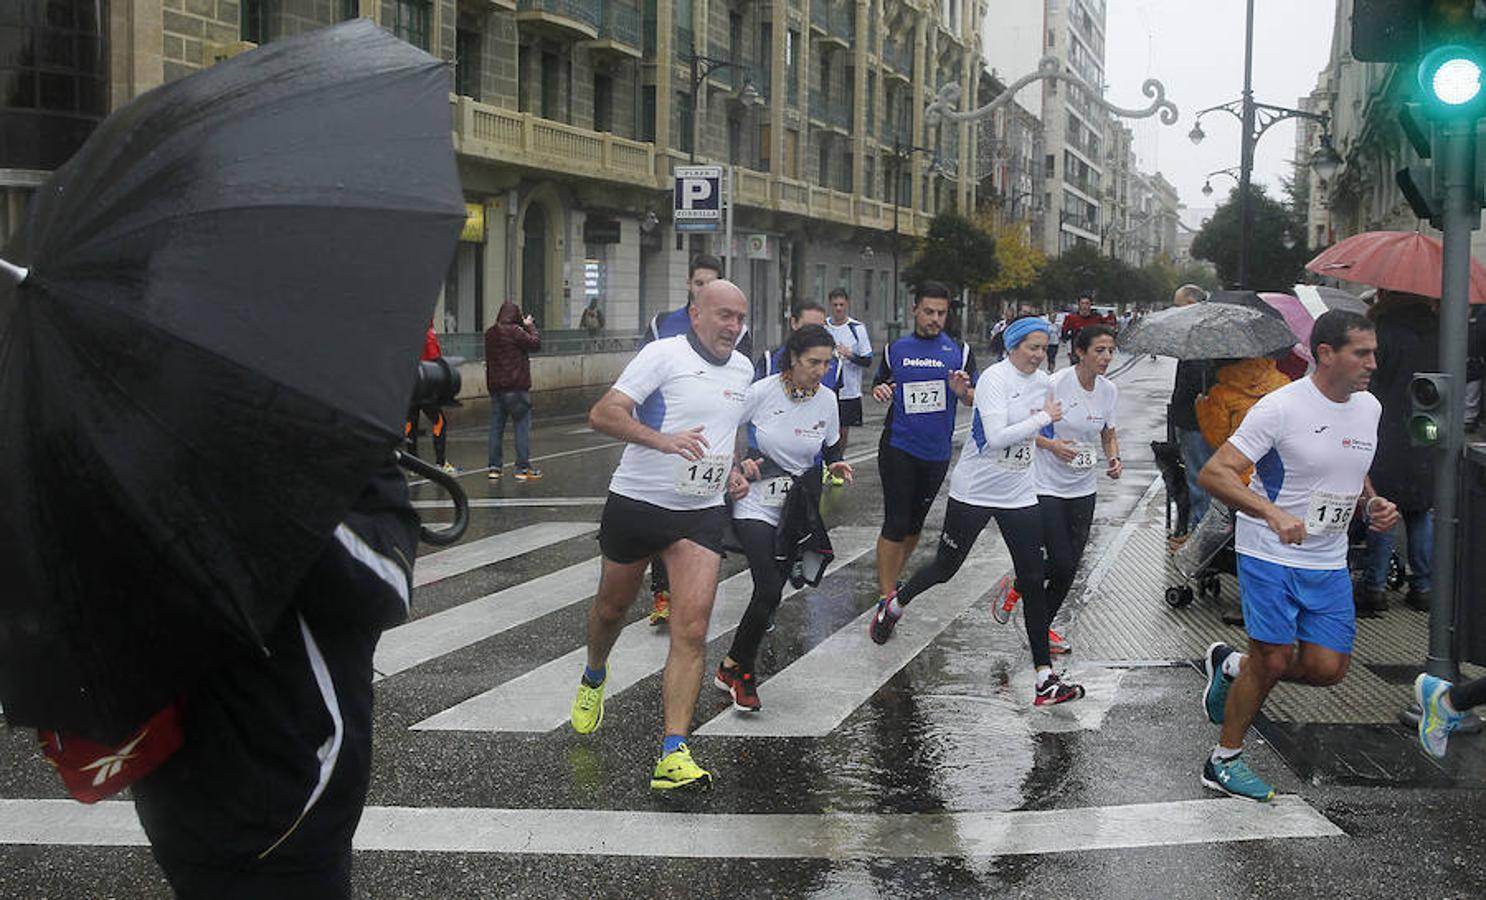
x: 470, y: 346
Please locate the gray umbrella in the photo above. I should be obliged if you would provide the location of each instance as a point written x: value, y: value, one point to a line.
x: 1208, y: 331
x: 1319, y: 299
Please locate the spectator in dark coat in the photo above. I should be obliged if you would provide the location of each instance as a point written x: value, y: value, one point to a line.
x: 508, y: 346
x: 1408, y: 342
x: 1193, y: 378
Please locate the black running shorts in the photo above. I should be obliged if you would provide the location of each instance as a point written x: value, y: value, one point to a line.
x: 632, y: 530
x: 850, y: 411
x: 909, y: 485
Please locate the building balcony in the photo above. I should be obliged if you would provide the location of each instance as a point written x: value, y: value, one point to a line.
x: 621, y: 35
x: 500, y: 135
x: 561, y: 19
x: 899, y: 59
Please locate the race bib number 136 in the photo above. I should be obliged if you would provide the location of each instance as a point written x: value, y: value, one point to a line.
x: 1330, y: 513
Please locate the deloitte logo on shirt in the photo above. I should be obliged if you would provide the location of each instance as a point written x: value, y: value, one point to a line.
x: 922, y: 361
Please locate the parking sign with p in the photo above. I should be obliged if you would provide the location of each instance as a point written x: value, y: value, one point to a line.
x: 698, y: 198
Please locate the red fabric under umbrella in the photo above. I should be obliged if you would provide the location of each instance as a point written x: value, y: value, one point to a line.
x: 1396, y: 260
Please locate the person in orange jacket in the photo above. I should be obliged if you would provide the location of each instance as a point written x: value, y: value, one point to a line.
x: 431, y: 350
x: 1239, y: 386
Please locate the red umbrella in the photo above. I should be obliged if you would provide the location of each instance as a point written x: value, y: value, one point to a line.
x: 1396, y: 260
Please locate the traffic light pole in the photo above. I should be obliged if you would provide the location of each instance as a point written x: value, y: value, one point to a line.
x: 1462, y: 215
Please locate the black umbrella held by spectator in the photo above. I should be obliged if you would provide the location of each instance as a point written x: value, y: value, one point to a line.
x: 1208, y: 331
x: 209, y: 329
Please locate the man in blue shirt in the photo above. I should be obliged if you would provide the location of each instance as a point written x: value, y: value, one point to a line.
x: 924, y: 375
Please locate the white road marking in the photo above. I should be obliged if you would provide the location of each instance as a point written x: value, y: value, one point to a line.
x: 421, y: 640
x: 496, y: 548
x: 505, y: 502
x: 542, y: 699
x: 814, y: 694
x: 673, y: 835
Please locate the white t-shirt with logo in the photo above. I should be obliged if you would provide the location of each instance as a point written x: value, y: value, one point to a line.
x: 853, y: 334
x: 1085, y: 416
x: 676, y: 389
x: 995, y: 466
x: 1310, y: 457
x: 789, y: 432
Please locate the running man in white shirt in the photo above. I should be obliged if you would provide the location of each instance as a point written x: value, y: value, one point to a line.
x: 993, y: 480
x: 1311, y: 444
x: 678, y: 405
x: 1064, y: 469
x: 854, y: 352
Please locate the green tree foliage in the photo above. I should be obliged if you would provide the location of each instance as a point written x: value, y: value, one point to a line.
x: 1273, y: 266
x: 956, y: 252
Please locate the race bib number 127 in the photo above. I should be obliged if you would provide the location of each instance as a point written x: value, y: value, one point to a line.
x: 923, y: 397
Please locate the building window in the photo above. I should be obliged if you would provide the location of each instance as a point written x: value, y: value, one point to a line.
x: 350, y: 9
x: 647, y: 113
x: 53, y: 80
x: 684, y: 114
x: 603, y: 103
x: 845, y: 282
x: 820, y: 283
x: 551, y: 105
x: 467, y: 63
x: 823, y: 178
x: 253, y: 21
x: 410, y: 21
x: 791, y: 63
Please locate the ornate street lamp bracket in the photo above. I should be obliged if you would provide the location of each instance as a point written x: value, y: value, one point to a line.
x: 1050, y: 69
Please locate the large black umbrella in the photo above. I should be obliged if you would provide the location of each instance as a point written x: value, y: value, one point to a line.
x: 1208, y: 331
x: 211, y: 351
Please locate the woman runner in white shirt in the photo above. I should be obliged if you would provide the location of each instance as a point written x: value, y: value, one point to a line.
x: 993, y: 480
x: 791, y: 421
x: 1064, y: 468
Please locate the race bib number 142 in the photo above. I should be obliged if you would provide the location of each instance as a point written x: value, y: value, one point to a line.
x: 704, y: 477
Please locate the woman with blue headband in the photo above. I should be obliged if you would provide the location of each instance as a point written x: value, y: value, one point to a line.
x: 993, y: 480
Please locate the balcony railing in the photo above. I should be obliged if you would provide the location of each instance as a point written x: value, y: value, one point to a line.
x: 585, y: 11
x: 501, y: 134
x: 899, y: 56
x: 621, y: 23
x: 820, y: 16
x: 843, y: 20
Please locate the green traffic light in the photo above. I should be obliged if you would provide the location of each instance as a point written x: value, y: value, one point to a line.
x: 1425, y: 430
x: 1450, y: 76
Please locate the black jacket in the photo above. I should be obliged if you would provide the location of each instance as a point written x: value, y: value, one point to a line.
x: 1193, y: 377
x: 1408, y: 342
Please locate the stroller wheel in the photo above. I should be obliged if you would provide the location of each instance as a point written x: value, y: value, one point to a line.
x: 1178, y: 597
x: 1395, y: 572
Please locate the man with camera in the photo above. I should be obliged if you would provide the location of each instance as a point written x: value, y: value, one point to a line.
x: 677, y: 405
x: 508, y: 347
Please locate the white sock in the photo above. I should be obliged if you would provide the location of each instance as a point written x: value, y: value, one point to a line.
x: 1230, y: 665
x: 1222, y: 754
x: 1043, y: 674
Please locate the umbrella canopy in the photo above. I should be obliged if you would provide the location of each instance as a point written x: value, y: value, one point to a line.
x: 1208, y: 331
x: 1297, y: 317
x: 211, y: 351
x: 1320, y: 299
x: 1396, y: 260
x: 1250, y: 299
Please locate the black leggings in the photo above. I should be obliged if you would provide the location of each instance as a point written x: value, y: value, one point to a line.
x: 1468, y: 694
x: 1022, y: 531
x: 1065, y: 532
x: 757, y: 539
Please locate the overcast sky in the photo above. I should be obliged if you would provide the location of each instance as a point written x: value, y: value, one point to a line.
x: 1196, y: 48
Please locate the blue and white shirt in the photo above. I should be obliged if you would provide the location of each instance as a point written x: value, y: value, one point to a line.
x: 1310, y: 457
x: 790, y: 432
x: 921, y: 421
x: 995, y: 466
x: 1085, y: 416
x: 676, y: 388
x: 853, y: 334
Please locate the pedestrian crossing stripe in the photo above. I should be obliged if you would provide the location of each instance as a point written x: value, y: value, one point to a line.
x: 540, y: 700
x: 679, y: 835
x: 471, y: 555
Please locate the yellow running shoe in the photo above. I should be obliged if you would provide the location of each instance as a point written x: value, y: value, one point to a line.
x: 661, y: 611
x: 588, y: 708
x: 678, y: 770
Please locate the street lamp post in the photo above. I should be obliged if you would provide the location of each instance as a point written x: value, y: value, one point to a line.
x: 901, y: 154
x: 702, y: 68
x: 1255, y: 118
x: 1207, y: 180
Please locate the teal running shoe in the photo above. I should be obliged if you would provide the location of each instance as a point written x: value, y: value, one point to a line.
x: 1435, y: 723
x: 1234, y: 778
x: 1215, y: 692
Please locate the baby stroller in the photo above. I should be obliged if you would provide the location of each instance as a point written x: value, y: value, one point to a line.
x: 1208, y: 551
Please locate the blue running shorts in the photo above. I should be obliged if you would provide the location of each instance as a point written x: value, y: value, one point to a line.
x: 1282, y: 604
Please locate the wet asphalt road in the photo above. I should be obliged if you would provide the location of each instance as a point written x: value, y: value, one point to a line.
x: 950, y: 733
